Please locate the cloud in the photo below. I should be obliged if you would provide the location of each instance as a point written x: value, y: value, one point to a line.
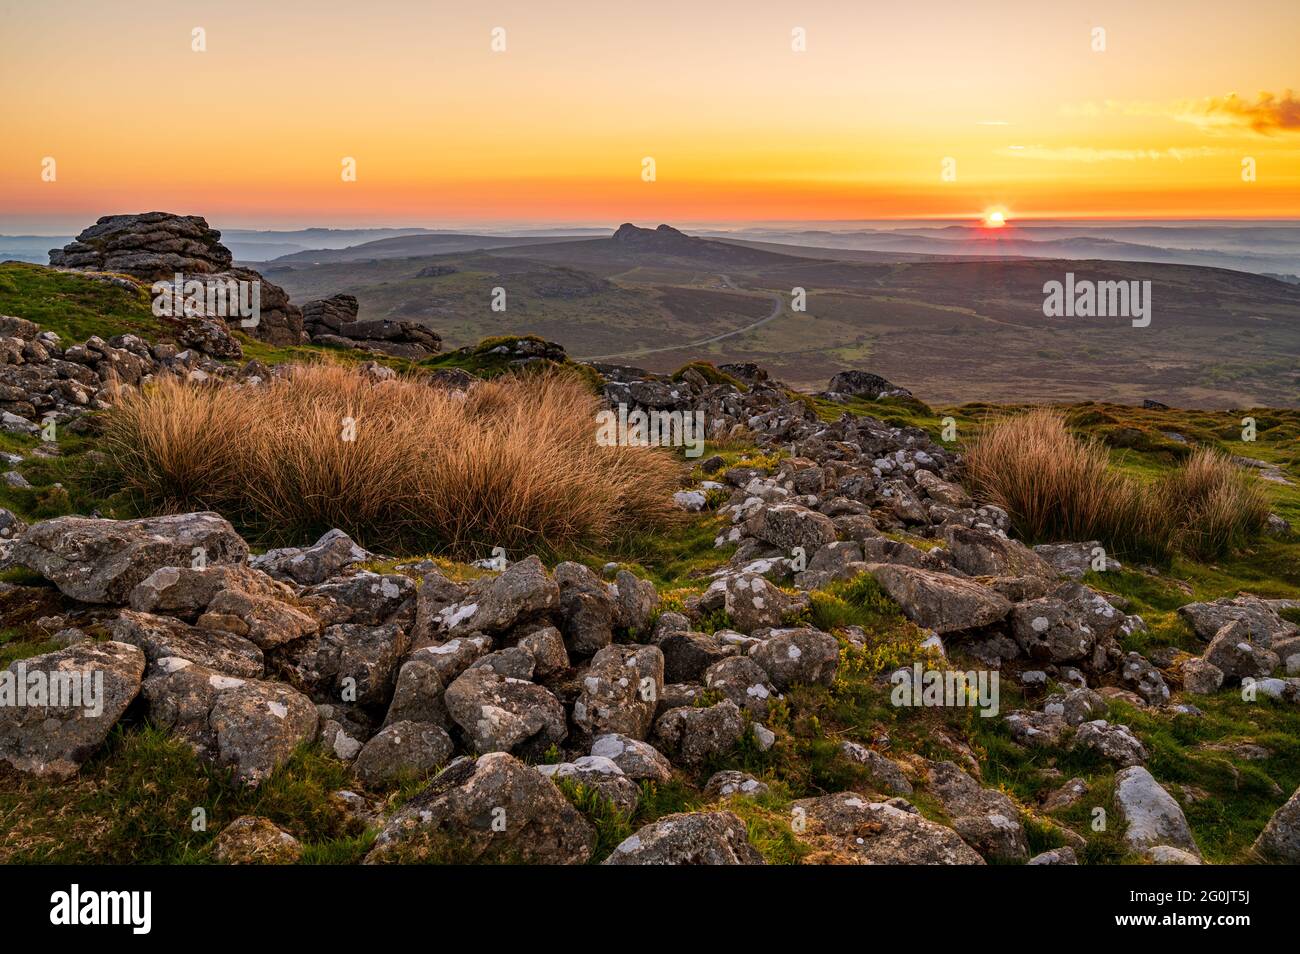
x: 1267, y: 115
x: 1270, y: 113
x: 1090, y: 155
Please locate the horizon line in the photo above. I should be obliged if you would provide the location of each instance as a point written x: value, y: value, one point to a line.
x: 499, y: 224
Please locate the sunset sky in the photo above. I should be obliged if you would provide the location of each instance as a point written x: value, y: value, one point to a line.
x: 446, y: 132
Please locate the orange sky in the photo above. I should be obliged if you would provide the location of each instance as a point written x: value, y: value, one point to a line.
x: 554, y: 129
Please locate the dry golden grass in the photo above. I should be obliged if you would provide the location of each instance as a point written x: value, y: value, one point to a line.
x: 1221, y: 506
x: 1058, y: 487
x: 515, y: 464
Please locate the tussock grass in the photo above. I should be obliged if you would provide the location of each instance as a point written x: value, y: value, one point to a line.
x: 1223, y: 507
x: 514, y: 464
x: 1056, y: 486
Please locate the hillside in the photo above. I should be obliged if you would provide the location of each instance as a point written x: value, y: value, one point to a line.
x: 1248, y: 247
x: 453, y: 294
x: 957, y: 329
x: 679, y: 684
x: 661, y: 247
x: 406, y: 246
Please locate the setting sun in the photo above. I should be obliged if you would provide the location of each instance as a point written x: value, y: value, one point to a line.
x: 994, y: 219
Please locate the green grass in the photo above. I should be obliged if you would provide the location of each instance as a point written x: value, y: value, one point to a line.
x: 612, y: 825
x: 1233, y: 797
x: 60, y: 485
x: 767, y: 822
x: 21, y: 606
x: 1227, y: 798
x: 766, y: 817
x: 678, y: 559
x: 15, y: 646
x: 856, y: 602
x: 134, y: 803
x: 895, y: 411
x: 477, y: 360
x: 76, y: 307
x: 712, y: 622
x: 271, y: 354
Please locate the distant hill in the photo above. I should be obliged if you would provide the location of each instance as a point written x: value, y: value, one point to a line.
x: 30, y: 248
x: 263, y: 245
x: 409, y: 246
x: 666, y: 246
x: 1260, y: 249
x: 954, y: 327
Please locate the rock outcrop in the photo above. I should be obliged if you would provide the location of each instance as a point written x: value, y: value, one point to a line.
x: 851, y: 829
x: 158, y: 246
x: 101, y: 561
x: 333, y: 321
x: 493, y: 809
x: 1150, y: 813
x: 1280, y: 839
x: 702, y: 838
x: 44, y: 380
x: 863, y: 384
x: 83, y: 691
x: 150, y: 245
x: 251, y: 840
x: 250, y: 726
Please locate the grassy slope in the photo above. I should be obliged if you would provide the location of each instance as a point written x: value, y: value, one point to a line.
x: 953, y: 330
x: 578, y: 307
x: 73, y: 306
x: 133, y: 801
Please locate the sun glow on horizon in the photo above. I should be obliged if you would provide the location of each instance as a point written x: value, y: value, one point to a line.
x: 864, y: 123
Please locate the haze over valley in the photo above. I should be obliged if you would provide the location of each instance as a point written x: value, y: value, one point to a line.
x: 954, y: 327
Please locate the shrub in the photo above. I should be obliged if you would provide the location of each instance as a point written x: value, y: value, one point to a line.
x: 1057, y: 487
x: 513, y: 464
x: 1222, y: 506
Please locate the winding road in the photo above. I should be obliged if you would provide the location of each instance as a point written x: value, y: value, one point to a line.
x: 777, y: 304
